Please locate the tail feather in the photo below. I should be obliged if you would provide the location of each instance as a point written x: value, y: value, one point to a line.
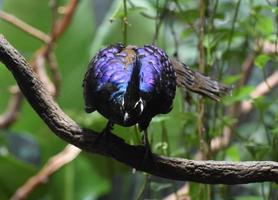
x: 199, y: 83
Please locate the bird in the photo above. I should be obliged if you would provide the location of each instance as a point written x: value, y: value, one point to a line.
x: 130, y: 85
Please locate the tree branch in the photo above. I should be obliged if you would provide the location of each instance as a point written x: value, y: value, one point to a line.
x: 12, y: 111
x: 261, y: 89
x: 211, y: 172
x: 223, y: 141
x: 25, y: 27
x: 63, y: 23
x: 202, y: 64
x: 54, y: 163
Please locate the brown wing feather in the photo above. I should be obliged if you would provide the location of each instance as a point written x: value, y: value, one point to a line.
x: 199, y: 83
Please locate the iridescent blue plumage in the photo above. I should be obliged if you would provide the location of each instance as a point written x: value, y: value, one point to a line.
x: 130, y: 85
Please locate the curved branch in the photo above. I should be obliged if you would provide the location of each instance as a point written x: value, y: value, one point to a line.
x: 63, y: 23
x: 25, y: 27
x: 211, y: 172
x: 69, y: 153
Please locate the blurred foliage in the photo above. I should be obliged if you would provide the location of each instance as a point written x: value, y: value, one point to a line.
x: 233, y: 30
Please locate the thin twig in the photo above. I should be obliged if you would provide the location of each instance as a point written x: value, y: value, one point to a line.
x: 52, y: 61
x: 16, y: 100
x: 38, y: 65
x: 176, y: 40
x: 246, y: 69
x: 263, y: 88
x: 44, y: 53
x: 201, y: 36
x: 63, y: 23
x: 156, y: 22
x: 24, y: 26
x: 12, y: 112
x: 125, y: 22
x: 181, y: 194
x: 55, y: 14
x: 223, y: 141
x: 201, y: 106
x: 53, y: 164
x: 276, y: 34
x: 41, y: 55
x: 190, y: 24
x: 159, y: 19
x: 233, y: 25
x: 269, y: 48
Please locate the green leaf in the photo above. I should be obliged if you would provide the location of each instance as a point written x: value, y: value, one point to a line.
x: 244, y: 91
x: 12, y: 167
x: 258, y: 151
x: 264, y: 24
x: 161, y: 146
x: 233, y: 153
x: 189, y: 15
x: 249, y: 198
x: 231, y: 79
x: 261, y: 60
x: 239, y: 95
x: 261, y: 103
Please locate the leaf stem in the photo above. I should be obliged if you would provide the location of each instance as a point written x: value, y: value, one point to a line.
x: 233, y: 25
x: 125, y: 22
x: 201, y: 108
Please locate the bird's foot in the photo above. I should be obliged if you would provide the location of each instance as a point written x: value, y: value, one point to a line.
x: 148, y: 157
x: 103, y: 136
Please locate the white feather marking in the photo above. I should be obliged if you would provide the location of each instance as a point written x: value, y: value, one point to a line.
x: 140, y: 102
x: 141, y: 107
x: 126, y: 117
x: 123, y: 102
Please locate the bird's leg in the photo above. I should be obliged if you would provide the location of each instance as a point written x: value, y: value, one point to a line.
x: 146, y: 140
x: 108, y: 128
x: 148, y: 151
x: 105, y: 132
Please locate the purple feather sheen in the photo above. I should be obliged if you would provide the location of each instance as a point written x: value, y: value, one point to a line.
x: 129, y: 85
x: 111, y: 72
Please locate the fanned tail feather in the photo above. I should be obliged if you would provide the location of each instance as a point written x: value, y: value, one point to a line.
x: 199, y: 83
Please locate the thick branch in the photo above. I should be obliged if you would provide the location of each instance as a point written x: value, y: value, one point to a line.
x: 211, y: 172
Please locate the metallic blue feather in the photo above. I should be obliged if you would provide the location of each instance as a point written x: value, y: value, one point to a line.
x: 146, y: 71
